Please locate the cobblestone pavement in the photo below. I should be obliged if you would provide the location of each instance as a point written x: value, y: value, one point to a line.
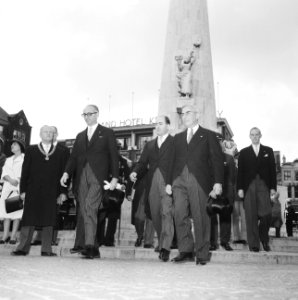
x: 34, y: 277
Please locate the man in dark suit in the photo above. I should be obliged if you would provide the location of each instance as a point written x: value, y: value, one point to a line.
x: 197, y: 171
x: 157, y: 155
x: 256, y: 182
x: 40, y: 188
x: 93, y: 158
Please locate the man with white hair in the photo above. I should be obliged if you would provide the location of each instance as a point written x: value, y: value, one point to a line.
x: 256, y: 182
x: 40, y: 188
x: 197, y: 171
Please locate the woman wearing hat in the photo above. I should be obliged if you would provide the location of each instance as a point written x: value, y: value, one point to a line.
x: 11, y: 175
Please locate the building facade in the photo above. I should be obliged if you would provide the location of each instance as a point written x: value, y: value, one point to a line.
x: 289, y: 177
x: 14, y: 126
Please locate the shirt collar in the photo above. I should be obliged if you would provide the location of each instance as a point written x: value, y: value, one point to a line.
x: 194, y: 128
x: 93, y: 127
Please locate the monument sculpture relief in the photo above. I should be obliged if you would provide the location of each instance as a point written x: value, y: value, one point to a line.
x: 184, y: 71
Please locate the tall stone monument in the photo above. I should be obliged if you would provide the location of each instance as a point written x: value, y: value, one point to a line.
x: 187, y: 76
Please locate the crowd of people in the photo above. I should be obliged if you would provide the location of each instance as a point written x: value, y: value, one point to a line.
x: 173, y: 182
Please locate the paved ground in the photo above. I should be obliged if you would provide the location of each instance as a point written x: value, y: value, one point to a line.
x: 34, y: 277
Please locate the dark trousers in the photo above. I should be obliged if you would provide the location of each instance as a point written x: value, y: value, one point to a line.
x: 144, y: 226
x: 26, y: 235
x: 161, y: 207
x: 107, y: 226
x: 224, y: 228
x: 80, y: 230
x: 258, y: 211
x: 190, y: 201
x: 289, y: 227
x: 89, y: 197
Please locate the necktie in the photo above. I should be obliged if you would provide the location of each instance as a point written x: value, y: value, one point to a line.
x: 256, y: 150
x: 190, y: 135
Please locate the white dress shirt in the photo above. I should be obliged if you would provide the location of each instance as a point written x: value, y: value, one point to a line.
x: 194, y: 130
x: 91, y: 130
x: 161, y: 139
x: 256, y: 149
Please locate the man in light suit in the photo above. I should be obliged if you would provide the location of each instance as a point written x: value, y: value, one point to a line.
x: 197, y: 170
x: 157, y: 155
x: 256, y: 182
x: 93, y: 158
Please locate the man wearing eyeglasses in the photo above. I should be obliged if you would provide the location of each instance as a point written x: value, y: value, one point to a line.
x: 93, y: 158
x: 197, y: 171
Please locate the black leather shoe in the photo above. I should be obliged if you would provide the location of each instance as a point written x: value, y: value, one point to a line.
x: 203, y: 261
x: 183, y: 257
x: 138, y: 242
x: 226, y: 246
x: 164, y: 255
x: 90, y: 252
x: 148, y: 246
x: 266, y: 246
x: 18, y: 253
x: 255, y: 249
x: 213, y: 247
x: 76, y: 250
x: 48, y: 254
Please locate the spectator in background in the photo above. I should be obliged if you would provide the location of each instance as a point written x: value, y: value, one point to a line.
x: 228, y: 148
x: 2, y: 155
x: 276, y: 220
x: 290, y: 218
x: 11, y: 175
x: 140, y: 214
x: 238, y: 217
x: 110, y: 212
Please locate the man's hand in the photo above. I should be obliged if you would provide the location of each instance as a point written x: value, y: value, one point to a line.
x: 240, y: 193
x: 23, y: 196
x: 61, y: 198
x: 113, y: 183
x: 169, y: 189
x: 64, y: 179
x: 217, y: 189
x: 133, y: 176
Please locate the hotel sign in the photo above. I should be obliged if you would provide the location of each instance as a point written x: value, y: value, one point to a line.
x: 130, y: 122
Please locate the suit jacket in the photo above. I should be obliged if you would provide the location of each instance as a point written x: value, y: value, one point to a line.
x: 202, y: 156
x: 249, y: 166
x: 154, y: 157
x: 100, y: 152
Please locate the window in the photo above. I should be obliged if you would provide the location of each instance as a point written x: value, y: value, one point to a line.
x: 289, y: 191
x: 18, y: 134
x: 287, y: 175
x: 296, y: 175
x: 296, y: 191
x: 1, y: 129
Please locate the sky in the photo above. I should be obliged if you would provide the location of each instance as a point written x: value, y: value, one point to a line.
x: 58, y: 56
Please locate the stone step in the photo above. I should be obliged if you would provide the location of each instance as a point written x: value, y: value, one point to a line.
x: 219, y: 256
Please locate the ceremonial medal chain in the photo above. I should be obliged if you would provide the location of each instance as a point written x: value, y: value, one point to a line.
x: 47, y: 155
